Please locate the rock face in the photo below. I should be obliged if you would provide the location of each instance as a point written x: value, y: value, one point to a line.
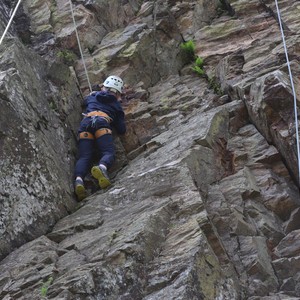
x: 36, y: 140
x: 205, y: 196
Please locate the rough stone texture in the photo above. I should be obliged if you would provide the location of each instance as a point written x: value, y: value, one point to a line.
x: 36, y: 141
x: 205, y: 201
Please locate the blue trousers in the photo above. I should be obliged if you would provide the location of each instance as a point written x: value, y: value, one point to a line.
x: 102, y: 146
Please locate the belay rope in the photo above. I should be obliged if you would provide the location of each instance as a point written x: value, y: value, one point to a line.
x: 10, y: 20
x: 292, y: 85
x: 79, y: 46
x: 75, y: 27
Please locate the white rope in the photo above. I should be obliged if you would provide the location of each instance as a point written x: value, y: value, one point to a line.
x: 10, y: 20
x: 293, y: 88
x: 79, y: 45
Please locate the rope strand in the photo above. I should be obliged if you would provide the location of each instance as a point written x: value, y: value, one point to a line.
x: 79, y: 45
x: 10, y: 21
x: 292, y: 84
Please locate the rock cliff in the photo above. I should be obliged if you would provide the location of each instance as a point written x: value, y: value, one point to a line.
x: 205, y: 198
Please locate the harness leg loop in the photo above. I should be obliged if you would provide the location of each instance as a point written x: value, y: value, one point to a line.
x: 102, y: 131
x: 86, y: 135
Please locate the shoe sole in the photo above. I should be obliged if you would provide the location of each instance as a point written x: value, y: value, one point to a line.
x: 103, y: 181
x: 80, y: 192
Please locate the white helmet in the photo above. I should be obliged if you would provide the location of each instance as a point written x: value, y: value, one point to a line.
x: 114, y: 82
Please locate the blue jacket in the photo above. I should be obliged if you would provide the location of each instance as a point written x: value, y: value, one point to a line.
x: 107, y: 103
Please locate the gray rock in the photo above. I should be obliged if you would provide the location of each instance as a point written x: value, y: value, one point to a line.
x: 205, y: 196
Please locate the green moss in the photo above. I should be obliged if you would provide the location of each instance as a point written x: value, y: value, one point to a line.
x: 208, y: 271
x: 114, y: 235
x: 43, y: 28
x: 67, y: 56
x: 45, y: 286
x: 222, y: 30
x: 129, y: 51
x: 186, y: 107
x: 165, y: 101
x: 213, y: 84
x: 53, y: 105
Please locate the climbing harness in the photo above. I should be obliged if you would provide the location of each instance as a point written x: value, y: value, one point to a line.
x: 98, y: 133
x: 101, y: 114
x: 79, y: 46
x: 94, y: 121
x: 292, y: 85
x: 102, y: 131
x: 10, y: 20
x: 94, y: 115
x: 86, y: 135
x: 283, y: 40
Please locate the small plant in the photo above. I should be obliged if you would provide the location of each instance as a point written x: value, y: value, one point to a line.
x: 189, y: 49
x: 198, y: 66
x: 213, y: 84
x: 91, y: 49
x: 198, y: 70
x: 53, y: 105
x: 114, y: 235
x: 199, y: 62
x: 67, y: 56
x: 45, y: 286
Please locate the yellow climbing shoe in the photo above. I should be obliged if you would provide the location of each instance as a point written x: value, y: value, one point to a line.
x: 80, y: 190
x: 101, y: 174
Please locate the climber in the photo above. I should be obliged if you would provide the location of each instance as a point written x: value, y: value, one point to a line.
x: 103, y: 110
